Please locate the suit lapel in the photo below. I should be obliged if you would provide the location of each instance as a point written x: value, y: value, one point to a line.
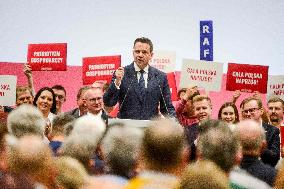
x: 133, y: 76
x: 151, y: 80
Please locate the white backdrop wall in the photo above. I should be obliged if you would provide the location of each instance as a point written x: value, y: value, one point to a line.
x: 245, y: 31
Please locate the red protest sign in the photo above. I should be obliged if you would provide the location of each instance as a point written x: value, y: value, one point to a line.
x: 172, y: 84
x: 99, y: 68
x: 247, y: 78
x: 282, y: 136
x: 47, y: 57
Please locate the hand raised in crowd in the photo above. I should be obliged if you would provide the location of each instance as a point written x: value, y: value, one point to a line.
x: 236, y: 95
x: 189, y: 93
x: 256, y: 94
x: 28, y: 70
x: 99, y: 84
x: 119, y: 73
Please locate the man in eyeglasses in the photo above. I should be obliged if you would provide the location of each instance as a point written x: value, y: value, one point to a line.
x: 94, y: 103
x: 252, y: 109
x: 60, y: 94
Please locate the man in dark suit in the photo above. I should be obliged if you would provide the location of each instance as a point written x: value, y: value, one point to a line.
x: 140, y: 88
x: 252, y: 137
x: 82, y: 108
x: 252, y: 108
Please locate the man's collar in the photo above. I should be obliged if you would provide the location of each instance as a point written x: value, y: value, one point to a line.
x: 98, y: 114
x: 137, y: 69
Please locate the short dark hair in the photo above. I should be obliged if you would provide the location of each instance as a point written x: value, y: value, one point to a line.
x: 59, y: 122
x: 228, y: 104
x: 182, y: 90
x: 59, y: 87
x: 53, y: 107
x: 220, y: 145
x: 209, y: 124
x: 85, y: 88
x: 144, y: 40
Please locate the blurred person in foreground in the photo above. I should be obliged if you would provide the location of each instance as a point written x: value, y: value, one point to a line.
x: 164, y: 155
x: 252, y: 109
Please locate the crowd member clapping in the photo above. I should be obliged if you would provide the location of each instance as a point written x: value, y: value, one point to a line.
x: 45, y: 101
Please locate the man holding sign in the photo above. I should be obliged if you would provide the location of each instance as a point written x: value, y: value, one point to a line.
x: 140, y: 88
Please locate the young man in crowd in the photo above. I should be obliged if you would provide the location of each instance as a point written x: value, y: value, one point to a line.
x: 60, y: 94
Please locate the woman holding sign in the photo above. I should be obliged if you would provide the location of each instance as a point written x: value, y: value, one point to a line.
x: 229, y: 113
x: 45, y: 101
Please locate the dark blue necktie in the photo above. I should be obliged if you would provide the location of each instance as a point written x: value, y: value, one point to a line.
x: 141, y: 83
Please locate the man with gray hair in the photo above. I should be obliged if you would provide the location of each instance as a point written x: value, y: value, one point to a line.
x: 26, y: 120
x: 252, y: 137
x: 252, y: 109
x: 217, y: 143
x: 83, y: 141
x: 120, y: 148
x: 163, y: 155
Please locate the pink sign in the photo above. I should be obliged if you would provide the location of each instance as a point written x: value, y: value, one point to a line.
x: 247, y: 78
x: 47, y: 57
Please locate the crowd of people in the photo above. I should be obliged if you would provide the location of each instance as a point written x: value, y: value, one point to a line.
x: 182, y: 146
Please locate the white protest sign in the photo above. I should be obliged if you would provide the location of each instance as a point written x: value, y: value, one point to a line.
x: 275, y: 86
x: 204, y: 74
x: 164, y: 61
x: 8, y: 90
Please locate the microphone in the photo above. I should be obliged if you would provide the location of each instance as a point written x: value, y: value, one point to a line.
x: 134, y: 77
x: 161, y: 92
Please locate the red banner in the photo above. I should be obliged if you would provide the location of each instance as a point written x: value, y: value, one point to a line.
x: 247, y: 78
x: 47, y: 57
x: 99, y: 68
x: 282, y: 136
x: 172, y: 84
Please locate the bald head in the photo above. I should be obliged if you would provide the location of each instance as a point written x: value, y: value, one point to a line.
x: 252, y: 137
x: 94, y: 100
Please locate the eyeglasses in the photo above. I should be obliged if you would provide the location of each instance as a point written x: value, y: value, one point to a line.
x: 60, y: 97
x: 92, y: 100
x: 251, y: 110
